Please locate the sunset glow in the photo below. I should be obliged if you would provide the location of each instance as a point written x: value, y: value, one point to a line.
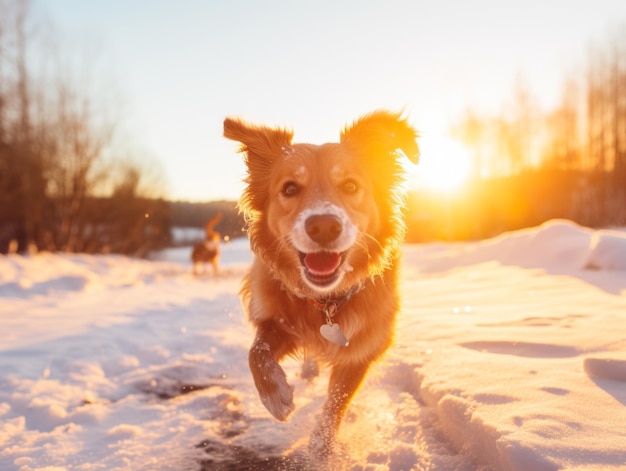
x: 445, y: 165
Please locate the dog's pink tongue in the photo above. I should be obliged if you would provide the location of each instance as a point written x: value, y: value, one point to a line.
x: 322, y: 263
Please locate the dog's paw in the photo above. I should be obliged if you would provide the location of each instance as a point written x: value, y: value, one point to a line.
x: 271, y: 382
x: 275, y: 393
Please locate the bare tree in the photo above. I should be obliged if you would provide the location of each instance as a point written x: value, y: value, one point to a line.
x: 471, y: 130
x: 522, y: 135
x: 563, y: 146
x: 606, y: 131
x: 58, y: 187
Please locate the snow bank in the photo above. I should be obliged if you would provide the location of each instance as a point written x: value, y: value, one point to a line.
x: 509, y: 355
x: 556, y: 244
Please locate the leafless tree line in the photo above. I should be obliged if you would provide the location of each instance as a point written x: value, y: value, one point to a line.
x: 530, y: 165
x: 65, y: 184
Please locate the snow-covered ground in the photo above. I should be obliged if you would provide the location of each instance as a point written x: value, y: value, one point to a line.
x: 510, y: 355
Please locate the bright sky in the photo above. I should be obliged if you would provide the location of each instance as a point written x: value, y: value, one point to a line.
x: 182, y: 66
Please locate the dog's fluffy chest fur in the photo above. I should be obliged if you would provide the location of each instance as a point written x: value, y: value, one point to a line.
x: 369, y: 333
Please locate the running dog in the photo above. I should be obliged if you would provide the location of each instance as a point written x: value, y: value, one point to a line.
x: 325, y: 224
x: 209, y: 250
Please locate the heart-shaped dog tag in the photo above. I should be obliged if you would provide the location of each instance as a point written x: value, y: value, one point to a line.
x: 333, y: 334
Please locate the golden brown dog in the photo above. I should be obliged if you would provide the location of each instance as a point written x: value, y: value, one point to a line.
x: 325, y: 223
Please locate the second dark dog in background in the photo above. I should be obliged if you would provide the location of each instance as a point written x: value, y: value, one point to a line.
x: 207, y: 251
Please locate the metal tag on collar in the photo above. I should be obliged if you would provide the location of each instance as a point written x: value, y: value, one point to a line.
x: 331, y: 331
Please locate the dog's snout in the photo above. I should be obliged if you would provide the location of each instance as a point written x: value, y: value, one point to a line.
x: 323, y: 228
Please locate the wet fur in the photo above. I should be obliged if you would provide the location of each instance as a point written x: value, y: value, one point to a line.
x: 275, y: 293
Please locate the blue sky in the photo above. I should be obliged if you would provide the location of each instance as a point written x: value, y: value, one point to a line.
x: 182, y: 66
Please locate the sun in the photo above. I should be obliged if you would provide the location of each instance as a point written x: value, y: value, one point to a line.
x: 445, y: 165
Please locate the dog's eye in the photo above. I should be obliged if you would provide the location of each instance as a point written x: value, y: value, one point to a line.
x: 290, y: 189
x: 350, y: 186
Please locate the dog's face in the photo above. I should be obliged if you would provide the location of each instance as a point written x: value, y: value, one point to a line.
x: 326, y: 217
x: 322, y: 206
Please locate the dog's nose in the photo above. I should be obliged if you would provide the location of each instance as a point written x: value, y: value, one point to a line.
x: 323, y: 228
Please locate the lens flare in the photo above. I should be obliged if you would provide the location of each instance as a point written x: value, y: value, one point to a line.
x: 445, y: 165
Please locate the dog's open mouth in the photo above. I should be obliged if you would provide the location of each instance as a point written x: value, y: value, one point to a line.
x: 322, y: 268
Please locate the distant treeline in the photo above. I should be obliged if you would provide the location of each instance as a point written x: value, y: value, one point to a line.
x: 118, y: 224
x: 487, y: 207
x: 187, y: 214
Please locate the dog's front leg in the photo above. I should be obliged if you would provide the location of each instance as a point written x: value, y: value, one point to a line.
x: 343, y: 384
x: 269, y: 346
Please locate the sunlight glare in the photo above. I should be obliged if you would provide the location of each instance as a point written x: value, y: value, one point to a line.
x: 445, y: 165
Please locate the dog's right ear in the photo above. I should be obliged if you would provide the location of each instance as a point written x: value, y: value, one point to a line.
x: 381, y: 134
x: 261, y: 146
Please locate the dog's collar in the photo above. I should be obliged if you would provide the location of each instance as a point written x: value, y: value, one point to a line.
x: 330, y: 306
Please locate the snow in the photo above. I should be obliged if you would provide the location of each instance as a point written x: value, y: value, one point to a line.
x: 510, y: 354
x: 607, y: 251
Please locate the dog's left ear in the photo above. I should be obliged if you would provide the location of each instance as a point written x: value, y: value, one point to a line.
x: 383, y: 133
